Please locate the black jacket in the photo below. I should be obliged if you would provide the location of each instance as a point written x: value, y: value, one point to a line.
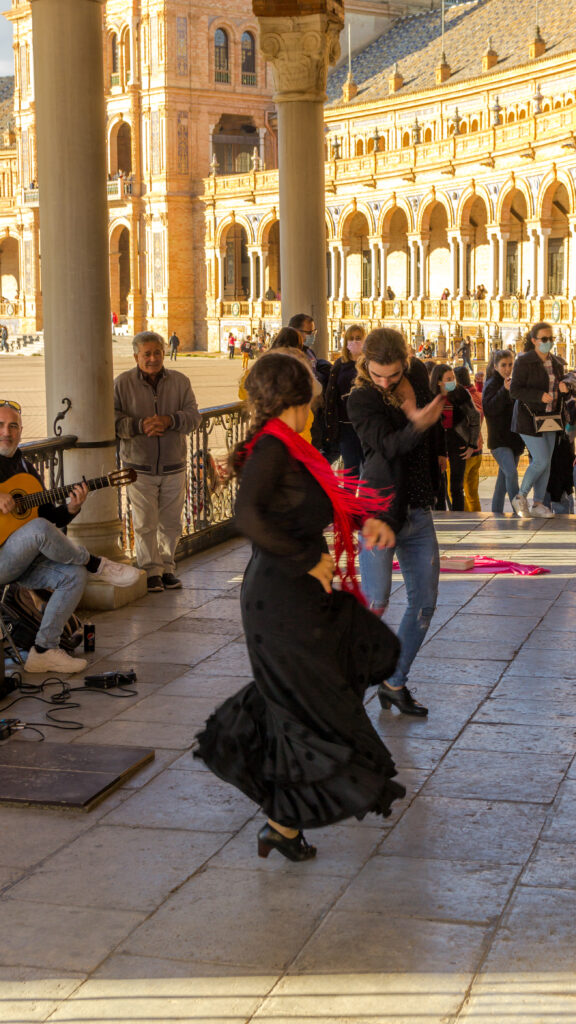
x: 529, y: 383
x: 466, y: 421
x: 498, y: 408
x: 387, y: 436
x: 340, y: 381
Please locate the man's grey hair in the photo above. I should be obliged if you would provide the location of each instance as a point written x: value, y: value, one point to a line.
x: 144, y: 338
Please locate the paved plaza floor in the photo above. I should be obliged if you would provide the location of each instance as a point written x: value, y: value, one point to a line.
x: 154, y: 907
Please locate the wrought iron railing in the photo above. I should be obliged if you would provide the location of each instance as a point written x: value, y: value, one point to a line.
x: 47, y: 456
x: 207, y: 518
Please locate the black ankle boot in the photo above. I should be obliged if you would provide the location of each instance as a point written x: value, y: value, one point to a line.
x: 294, y: 849
x: 403, y: 700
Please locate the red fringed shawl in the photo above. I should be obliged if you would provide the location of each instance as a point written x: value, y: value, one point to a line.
x: 351, y: 498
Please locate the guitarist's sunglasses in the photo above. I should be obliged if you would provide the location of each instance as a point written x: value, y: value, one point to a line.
x: 11, y: 405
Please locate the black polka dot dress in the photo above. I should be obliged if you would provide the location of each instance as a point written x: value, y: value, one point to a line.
x: 297, y: 739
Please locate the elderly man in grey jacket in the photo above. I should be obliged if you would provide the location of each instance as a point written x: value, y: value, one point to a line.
x: 155, y: 408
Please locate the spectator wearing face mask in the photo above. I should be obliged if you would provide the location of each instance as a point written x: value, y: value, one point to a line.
x: 537, y: 389
x: 461, y: 423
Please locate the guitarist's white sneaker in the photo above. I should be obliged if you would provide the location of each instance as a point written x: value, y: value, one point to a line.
x: 53, y: 660
x: 117, y: 573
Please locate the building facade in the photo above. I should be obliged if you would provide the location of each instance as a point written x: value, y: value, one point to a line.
x: 450, y: 187
x: 186, y: 88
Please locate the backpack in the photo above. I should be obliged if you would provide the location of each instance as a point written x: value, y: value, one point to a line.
x: 22, y: 610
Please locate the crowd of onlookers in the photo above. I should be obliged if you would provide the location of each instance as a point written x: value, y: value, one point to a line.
x: 522, y: 404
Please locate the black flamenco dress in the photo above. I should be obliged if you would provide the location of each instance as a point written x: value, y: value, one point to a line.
x: 297, y: 740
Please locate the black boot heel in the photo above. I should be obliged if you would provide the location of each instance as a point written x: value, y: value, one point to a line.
x: 295, y: 849
x: 402, y: 699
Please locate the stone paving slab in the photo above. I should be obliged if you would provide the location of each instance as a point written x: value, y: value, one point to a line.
x: 458, y: 908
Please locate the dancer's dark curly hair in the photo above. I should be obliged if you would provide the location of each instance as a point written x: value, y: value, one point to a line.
x: 277, y: 381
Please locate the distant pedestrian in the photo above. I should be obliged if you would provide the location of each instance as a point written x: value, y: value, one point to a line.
x: 231, y: 346
x: 465, y: 351
x: 4, y: 338
x: 174, y: 343
x: 246, y: 350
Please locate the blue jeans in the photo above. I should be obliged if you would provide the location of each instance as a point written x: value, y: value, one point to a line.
x: 538, y: 472
x: 417, y: 553
x: 39, y: 555
x: 507, y: 479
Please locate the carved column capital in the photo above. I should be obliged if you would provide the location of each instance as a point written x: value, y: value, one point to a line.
x: 301, y: 49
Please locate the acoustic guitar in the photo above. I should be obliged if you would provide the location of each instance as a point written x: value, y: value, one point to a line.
x: 23, y: 488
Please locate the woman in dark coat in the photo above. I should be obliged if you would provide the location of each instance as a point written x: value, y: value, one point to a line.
x: 340, y: 434
x: 505, y: 445
x: 461, y: 423
x: 537, y: 389
x: 297, y: 739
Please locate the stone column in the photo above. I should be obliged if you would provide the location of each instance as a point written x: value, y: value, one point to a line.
x: 374, y: 267
x: 454, y: 257
x: 134, y: 69
x: 71, y: 126
x: 263, y: 266
x: 572, y: 262
x: 334, y: 273
x: 543, y: 236
x: 493, y: 279
x: 502, y: 245
x: 384, y: 246
x: 221, y: 266
x: 423, y: 250
x: 300, y: 47
x: 343, y: 272
x: 463, y: 251
x: 253, y: 297
x: 534, y: 282
x: 413, y: 269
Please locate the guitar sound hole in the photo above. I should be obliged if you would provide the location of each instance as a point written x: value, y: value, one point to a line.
x: 18, y: 512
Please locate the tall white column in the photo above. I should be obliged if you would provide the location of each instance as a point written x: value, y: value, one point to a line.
x: 68, y: 67
x: 343, y: 272
x: 423, y: 251
x: 334, y: 273
x: 572, y: 263
x: 300, y: 95
x: 413, y: 269
x: 463, y: 251
x: 543, y: 236
x: 534, y: 283
x: 263, y: 267
x: 374, y: 266
x: 493, y: 272
x: 221, y: 267
x: 384, y: 246
x: 502, y: 247
x: 454, y: 265
x: 253, y: 253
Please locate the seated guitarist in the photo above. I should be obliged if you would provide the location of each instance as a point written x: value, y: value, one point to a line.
x: 39, y: 555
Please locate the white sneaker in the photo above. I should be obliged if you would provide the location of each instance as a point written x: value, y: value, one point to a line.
x: 53, y: 660
x: 520, y: 506
x: 117, y: 573
x: 540, y: 511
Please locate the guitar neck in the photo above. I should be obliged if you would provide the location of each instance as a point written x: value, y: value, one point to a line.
x: 57, y: 495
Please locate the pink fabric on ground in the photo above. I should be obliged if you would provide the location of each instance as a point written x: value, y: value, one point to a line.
x: 482, y: 563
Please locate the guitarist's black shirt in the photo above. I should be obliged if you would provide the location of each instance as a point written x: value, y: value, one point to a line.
x: 10, y: 466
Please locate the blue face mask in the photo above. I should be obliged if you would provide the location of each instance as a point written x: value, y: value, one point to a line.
x: 450, y: 385
x: 545, y: 346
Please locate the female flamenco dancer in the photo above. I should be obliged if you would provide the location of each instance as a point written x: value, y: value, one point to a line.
x: 297, y: 739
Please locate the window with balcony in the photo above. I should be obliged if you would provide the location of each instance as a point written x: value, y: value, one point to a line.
x: 248, y: 59
x: 221, y: 57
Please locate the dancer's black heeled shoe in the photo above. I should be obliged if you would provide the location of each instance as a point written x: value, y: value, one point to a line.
x: 294, y: 849
x: 402, y: 699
